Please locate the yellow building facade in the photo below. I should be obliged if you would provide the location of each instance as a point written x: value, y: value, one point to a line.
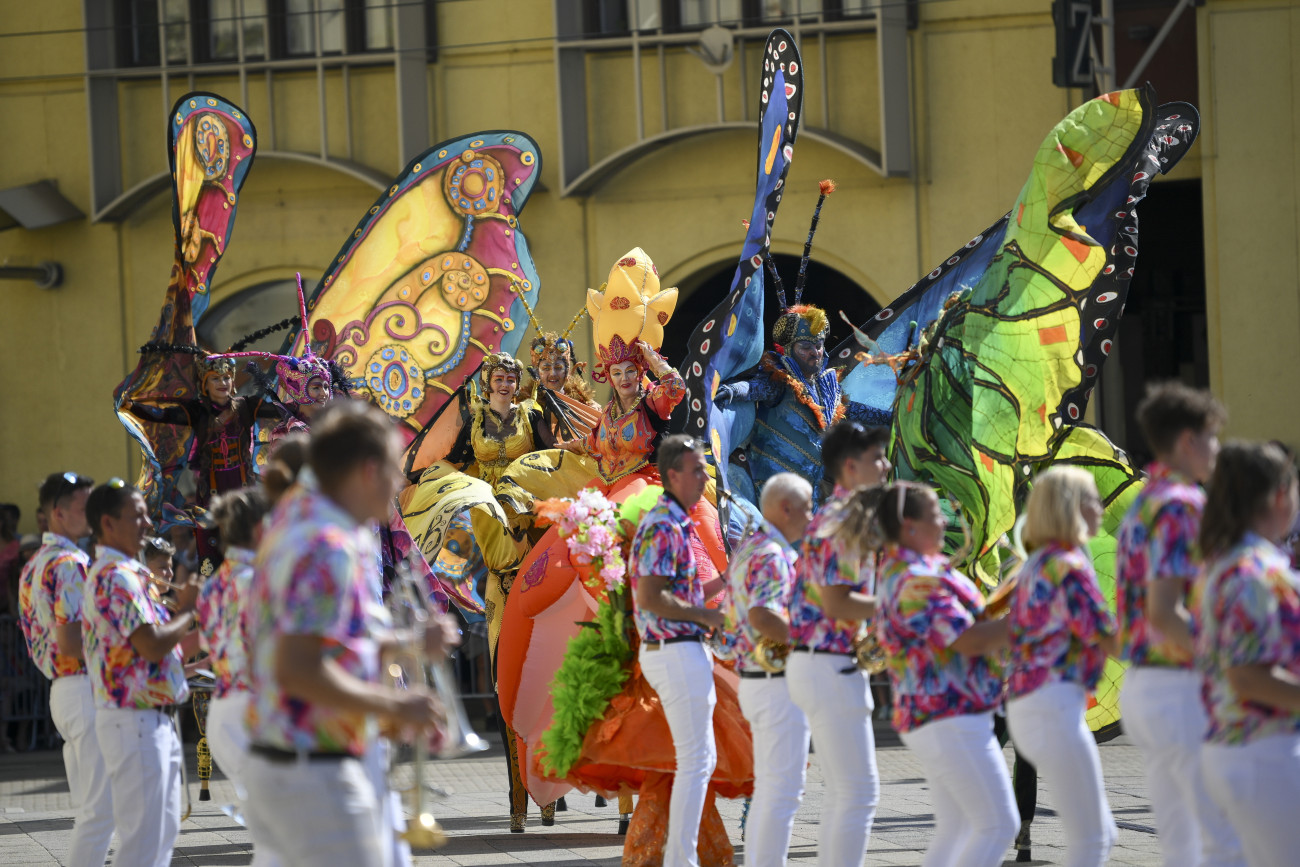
x: 926, y: 114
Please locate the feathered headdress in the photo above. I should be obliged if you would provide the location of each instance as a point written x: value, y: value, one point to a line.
x: 800, y: 321
x: 549, y: 345
x: 296, y: 373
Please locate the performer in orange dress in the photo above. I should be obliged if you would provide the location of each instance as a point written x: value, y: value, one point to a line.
x: 629, y: 748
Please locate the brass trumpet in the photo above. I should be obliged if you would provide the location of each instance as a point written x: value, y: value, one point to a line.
x: 409, y: 602
x: 771, y: 656
x: 867, y: 652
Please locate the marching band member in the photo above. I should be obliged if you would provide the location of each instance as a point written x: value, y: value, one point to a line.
x: 672, y: 620
x: 1156, y: 570
x: 1061, y: 632
x: 945, y: 684
x: 830, y: 601
x: 50, y: 596
x: 315, y: 654
x: 134, y: 650
x: 762, y: 579
x: 1248, y: 648
x: 222, y: 602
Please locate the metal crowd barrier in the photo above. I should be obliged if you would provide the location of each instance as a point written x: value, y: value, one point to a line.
x: 24, y: 694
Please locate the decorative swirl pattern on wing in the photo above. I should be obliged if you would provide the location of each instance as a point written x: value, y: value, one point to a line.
x: 434, y: 269
x: 210, y: 151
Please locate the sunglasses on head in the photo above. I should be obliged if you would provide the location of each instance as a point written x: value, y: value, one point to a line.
x: 70, y: 482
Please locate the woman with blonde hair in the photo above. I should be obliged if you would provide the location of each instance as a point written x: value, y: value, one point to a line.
x: 1061, y: 631
x: 1248, y: 649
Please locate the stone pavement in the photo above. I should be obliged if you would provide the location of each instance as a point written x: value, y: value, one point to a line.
x: 35, y: 817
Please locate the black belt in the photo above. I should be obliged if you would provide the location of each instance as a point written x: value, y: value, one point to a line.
x: 283, y: 757
x: 656, y: 643
x: 761, y: 674
x: 806, y: 649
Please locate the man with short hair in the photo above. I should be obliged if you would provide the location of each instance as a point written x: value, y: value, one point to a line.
x: 672, y: 620
x: 1156, y: 570
x: 50, y: 605
x: 133, y: 649
x: 317, y: 634
x: 761, y: 581
x: 832, y: 599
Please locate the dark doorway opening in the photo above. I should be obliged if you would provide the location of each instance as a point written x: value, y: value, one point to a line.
x: 1163, y: 333
x: 825, y: 287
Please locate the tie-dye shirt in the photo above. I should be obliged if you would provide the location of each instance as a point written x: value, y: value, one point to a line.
x: 117, y: 604
x: 662, y: 547
x: 925, y: 606
x: 49, y: 595
x: 1057, y: 615
x: 761, y: 576
x: 822, y: 563
x: 1250, y: 615
x: 1157, y: 540
x: 221, y: 629
x: 313, y: 575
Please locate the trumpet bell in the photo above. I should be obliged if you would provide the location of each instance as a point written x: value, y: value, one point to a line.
x: 424, y: 832
x: 771, y: 656
x: 461, y: 739
x: 869, y: 655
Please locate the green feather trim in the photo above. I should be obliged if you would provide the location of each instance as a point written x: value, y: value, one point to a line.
x: 595, y: 668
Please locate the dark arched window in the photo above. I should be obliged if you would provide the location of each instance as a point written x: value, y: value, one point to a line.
x: 247, y: 311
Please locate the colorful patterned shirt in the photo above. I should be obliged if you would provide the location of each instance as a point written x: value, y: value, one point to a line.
x: 823, y: 562
x: 118, y: 605
x: 662, y: 546
x: 762, y: 576
x: 1250, y: 614
x: 1157, y: 540
x: 221, y: 630
x: 1057, y: 615
x: 313, y: 575
x: 925, y: 606
x: 49, y: 595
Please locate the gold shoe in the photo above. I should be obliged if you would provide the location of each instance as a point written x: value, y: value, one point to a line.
x: 548, y: 815
x: 517, y: 822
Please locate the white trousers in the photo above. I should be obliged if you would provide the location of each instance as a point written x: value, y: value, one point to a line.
x: 228, y: 741
x: 143, y: 755
x: 1162, y: 712
x: 72, y: 707
x: 228, y: 738
x: 975, y: 817
x: 1049, y: 729
x: 1258, y: 786
x: 838, y: 706
x: 392, y: 820
x: 315, y: 812
x: 682, y: 674
x: 780, y: 757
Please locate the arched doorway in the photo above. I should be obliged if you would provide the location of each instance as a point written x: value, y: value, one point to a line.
x: 825, y: 287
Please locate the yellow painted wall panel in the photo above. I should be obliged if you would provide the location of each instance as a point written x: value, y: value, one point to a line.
x: 1252, y: 175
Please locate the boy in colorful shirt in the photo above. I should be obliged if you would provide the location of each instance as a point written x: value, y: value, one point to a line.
x: 317, y: 635
x: 761, y: 581
x: 134, y: 652
x: 49, y: 611
x: 672, y: 620
x: 829, y: 607
x: 1157, y: 566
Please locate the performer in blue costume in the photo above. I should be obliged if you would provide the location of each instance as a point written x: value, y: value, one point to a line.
x: 797, y: 396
